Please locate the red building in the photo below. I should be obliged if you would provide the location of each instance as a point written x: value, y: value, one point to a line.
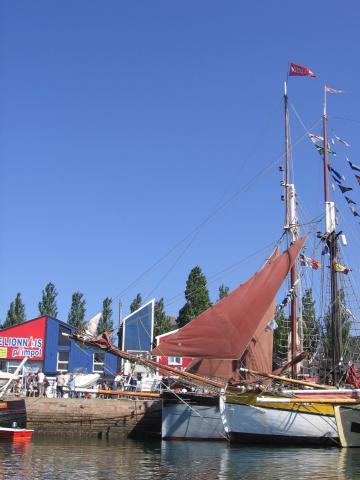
x: 176, y: 362
x: 43, y: 342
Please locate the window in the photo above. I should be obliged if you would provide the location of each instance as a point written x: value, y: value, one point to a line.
x: 62, y: 364
x: 12, y: 365
x: 98, y: 362
x: 175, y: 361
x: 63, y: 339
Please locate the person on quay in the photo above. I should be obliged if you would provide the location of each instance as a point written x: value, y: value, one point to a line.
x: 40, y: 382
x: 60, y: 382
x: 71, y: 385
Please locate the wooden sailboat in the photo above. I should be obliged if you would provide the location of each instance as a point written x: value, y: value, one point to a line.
x: 233, y: 331
x: 301, y: 416
x: 288, y: 416
x: 221, y: 339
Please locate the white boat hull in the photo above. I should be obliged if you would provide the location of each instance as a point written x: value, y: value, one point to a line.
x: 191, y: 421
x: 348, y: 423
x: 259, y: 424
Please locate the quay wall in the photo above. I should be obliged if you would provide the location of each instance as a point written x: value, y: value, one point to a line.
x: 96, y: 417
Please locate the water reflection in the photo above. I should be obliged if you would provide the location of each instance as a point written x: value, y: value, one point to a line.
x: 60, y: 459
x: 224, y: 461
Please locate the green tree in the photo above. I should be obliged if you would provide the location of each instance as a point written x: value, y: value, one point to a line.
x: 47, y: 306
x: 223, y: 291
x: 77, y: 311
x: 19, y: 309
x: 280, y: 334
x: 16, y: 313
x: 196, y: 295
x: 136, y: 303
x: 106, y: 323
x: 311, y: 329
x: 161, y: 320
x: 345, y: 322
x: 10, y: 317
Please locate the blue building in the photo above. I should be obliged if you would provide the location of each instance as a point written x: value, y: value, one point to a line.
x: 43, y: 342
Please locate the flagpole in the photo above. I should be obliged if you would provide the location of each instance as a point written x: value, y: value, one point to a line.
x: 289, y: 218
x: 286, y: 113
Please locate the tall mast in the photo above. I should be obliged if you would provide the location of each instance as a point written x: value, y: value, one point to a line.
x: 335, y: 326
x: 290, y: 227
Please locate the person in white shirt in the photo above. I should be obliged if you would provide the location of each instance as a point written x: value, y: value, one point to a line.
x: 40, y: 381
x: 60, y: 382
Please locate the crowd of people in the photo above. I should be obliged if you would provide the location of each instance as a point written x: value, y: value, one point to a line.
x: 38, y: 385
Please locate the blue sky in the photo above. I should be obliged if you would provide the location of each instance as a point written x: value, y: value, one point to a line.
x: 124, y: 124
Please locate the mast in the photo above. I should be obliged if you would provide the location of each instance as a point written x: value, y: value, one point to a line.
x: 331, y: 239
x: 290, y: 227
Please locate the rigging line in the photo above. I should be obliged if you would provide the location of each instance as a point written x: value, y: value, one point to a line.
x: 188, y: 405
x: 247, y: 157
x: 348, y: 224
x: 346, y: 119
x: 194, y: 231
x: 343, y: 254
x: 264, y: 170
x: 305, y: 210
x: 299, y: 119
x: 181, y: 254
x: 226, y: 271
x: 229, y: 270
x: 225, y: 204
x: 313, y: 222
x: 215, y: 211
x: 223, y: 272
x: 173, y: 265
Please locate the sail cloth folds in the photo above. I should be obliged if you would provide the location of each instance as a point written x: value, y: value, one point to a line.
x: 257, y: 356
x: 240, y: 315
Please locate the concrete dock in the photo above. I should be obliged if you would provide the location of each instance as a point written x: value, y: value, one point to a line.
x: 96, y: 417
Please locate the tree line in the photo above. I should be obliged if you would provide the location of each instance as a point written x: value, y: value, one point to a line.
x: 48, y: 306
x: 196, y: 296
x: 197, y: 300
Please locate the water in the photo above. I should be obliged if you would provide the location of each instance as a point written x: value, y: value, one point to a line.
x: 55, y: 459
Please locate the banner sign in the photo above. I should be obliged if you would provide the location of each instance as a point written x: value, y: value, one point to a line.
x: 24, y: 340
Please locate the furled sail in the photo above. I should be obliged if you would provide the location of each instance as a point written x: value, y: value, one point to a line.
x: 241, y: 314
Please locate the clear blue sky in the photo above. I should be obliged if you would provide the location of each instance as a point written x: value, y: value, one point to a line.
x: 123, y: 124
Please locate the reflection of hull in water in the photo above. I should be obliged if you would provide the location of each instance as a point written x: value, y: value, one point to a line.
x: 192, y: 417
x: 248, y: 421
x: 12, y: 411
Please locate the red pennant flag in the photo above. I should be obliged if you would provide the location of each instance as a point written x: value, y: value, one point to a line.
x: 298, y: 70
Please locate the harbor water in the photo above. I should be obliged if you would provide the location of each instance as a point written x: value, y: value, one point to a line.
x: 70, y: 459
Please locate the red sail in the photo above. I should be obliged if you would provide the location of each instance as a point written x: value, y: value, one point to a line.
x: 257, y: 356
x: 259, y: 353
x: 225, y: 330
